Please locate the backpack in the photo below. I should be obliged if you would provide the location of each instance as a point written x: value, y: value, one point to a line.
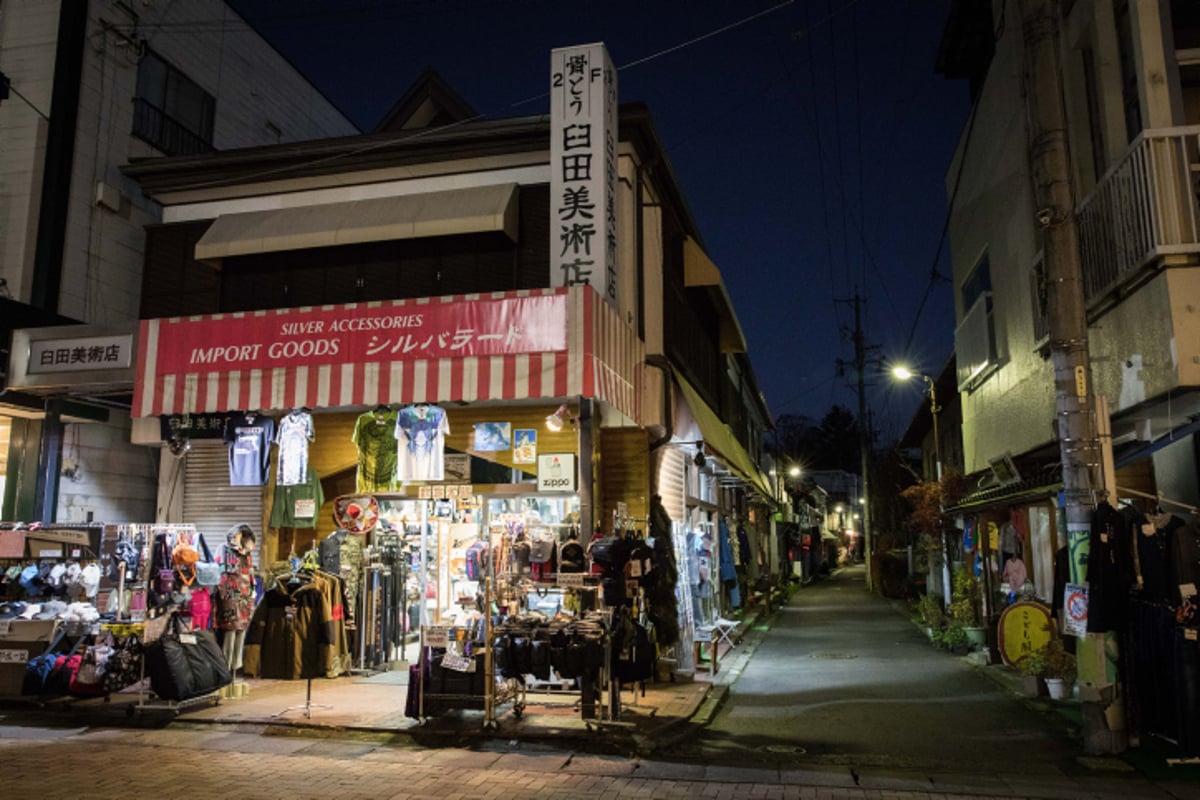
x: 476, y: 561
x: 572, y: 558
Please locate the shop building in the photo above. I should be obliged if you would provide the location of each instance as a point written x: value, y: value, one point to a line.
x: 94, y: 85
x: 1128, y: 92
x: 426, y: 268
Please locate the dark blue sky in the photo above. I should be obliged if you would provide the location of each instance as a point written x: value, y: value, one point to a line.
x: 811, y: 142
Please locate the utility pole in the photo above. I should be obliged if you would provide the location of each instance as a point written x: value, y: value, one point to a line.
x: 1074, y: 402
x: 860, y: 359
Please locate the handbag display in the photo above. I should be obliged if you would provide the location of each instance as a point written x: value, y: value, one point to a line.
x: 185, y: 664
x: 208, y: 572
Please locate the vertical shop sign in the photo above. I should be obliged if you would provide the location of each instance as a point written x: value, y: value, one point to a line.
x: 583, y: 169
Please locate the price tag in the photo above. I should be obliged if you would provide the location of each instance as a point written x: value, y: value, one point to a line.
x: 76, y: 553
x: 187, y: 638
x: 305, y: 509
x: 458, y: 663
x: 571, y: 580
x: 1187, y: 590
x: 435, y: 635
x: 5, y: 626
x: 1189, y: 634
x: 14, y: 656
x: 635, y: 569
x: 55, y: 553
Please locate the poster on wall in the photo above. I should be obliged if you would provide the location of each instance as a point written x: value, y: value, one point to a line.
x: 556, y: 472
x: 525, y: 446
x: 493, y: 436
x: 457, y: 467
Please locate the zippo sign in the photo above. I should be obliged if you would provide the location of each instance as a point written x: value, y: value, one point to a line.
x: 556, y: 472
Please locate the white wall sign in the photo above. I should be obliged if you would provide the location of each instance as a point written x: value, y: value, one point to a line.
x: 556, y: 472
x: 583, y: 169
x: 75, y: 355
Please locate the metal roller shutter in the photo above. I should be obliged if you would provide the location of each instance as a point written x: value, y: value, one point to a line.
x: 209, y: 502
x: 671, y: 484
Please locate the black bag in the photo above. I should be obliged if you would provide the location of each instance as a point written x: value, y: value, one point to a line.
x: 539, y: 660
x: 614, y: 590
x: 185, y: 664
x: 610, y: 553
x: 572, y: 558
x: 124, y: 667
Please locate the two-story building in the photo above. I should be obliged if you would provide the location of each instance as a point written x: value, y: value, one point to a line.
x: 1130, y: 76
x: 438, y: 262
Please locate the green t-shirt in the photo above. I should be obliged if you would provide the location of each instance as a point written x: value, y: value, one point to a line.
x: 375, y: 438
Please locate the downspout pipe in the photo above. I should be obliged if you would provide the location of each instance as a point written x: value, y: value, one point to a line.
x: 54, y: 203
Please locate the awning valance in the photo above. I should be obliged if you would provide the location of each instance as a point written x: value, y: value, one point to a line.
x: 474, y: 210
x: 529, y: 344
x: 719, y: 440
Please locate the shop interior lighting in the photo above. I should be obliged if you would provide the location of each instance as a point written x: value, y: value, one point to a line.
x: 699, y: 460
x: 562, y: 414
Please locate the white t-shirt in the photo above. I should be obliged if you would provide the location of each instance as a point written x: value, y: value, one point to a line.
x: 420, y: 440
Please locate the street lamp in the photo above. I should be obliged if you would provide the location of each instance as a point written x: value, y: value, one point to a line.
x: 904, y: 374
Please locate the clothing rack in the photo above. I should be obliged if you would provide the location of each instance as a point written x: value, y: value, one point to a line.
x: 1160, y: 498
x: 308, y: 706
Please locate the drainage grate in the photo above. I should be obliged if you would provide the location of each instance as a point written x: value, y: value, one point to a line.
x: 833, y: 656
x: 786, y: 749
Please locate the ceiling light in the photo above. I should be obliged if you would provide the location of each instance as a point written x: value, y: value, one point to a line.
x: 699, y: 459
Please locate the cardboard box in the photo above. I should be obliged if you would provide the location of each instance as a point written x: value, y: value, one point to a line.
x: 44, y: 548
x: 21, y: 640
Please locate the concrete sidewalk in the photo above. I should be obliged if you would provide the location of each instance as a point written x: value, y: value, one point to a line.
x: 375, y: 704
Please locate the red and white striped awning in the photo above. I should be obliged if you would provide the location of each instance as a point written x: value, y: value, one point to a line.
x: 535, y: 344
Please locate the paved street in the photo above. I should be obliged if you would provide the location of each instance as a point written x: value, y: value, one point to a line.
x: 841, y: 698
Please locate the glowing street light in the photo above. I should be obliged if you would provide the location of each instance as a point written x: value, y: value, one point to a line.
x: 904, y: 373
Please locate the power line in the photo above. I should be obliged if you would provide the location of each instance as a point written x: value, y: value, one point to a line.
x: 677, y: 47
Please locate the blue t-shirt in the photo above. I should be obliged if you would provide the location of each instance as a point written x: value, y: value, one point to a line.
x: 249, y: 438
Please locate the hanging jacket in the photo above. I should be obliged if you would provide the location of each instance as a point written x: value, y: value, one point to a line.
x: 292, y: 632
x: 728, y: 573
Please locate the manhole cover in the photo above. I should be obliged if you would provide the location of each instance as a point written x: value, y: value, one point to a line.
x: 787, y: 749
x: 834, y: 656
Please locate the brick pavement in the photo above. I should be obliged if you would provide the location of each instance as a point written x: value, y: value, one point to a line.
x: 249, y: 762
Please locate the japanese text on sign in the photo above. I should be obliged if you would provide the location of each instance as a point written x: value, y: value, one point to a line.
x: 583, y: 168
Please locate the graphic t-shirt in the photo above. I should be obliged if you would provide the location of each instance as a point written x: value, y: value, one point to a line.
x: 376, y: 451
x: 421, y: 435
x: 295, y: 432
x: 249, y: 437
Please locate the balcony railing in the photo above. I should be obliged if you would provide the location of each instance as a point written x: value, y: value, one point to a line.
x: 1142, y: 210
x: 153, y: 125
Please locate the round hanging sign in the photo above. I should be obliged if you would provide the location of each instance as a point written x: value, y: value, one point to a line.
x: 1025, y: 628
x: 356, y: 513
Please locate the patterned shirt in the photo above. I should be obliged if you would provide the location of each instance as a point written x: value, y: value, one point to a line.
x: 376, y: 451
x: 421, y: 434
x: 293, y: 434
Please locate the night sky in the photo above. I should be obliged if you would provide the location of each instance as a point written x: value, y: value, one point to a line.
x: 811, y: 139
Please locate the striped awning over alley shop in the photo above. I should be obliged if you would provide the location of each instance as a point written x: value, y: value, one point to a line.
x: 531, y: 344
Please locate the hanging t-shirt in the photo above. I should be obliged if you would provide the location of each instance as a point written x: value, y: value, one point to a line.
x: 249, y: 436
x: 421, y: 435
x: 294, y: 434
x: 376, y: 443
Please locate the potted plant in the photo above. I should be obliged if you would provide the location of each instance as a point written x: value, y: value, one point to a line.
x: 931, y: 616
x: 1057, y: 668
x: 964, y: 608
x: 1031, y: 668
